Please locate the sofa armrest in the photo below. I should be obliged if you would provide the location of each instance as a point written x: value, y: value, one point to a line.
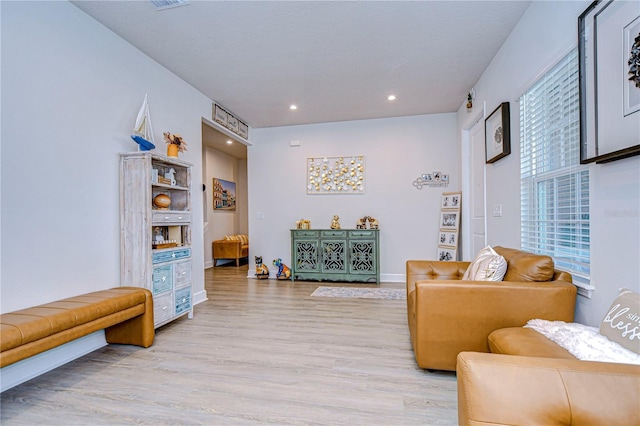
x: 453, y: 316
x: 516, y: 390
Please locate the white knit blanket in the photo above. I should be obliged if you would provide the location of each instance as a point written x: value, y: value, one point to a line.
x: 584, y: 342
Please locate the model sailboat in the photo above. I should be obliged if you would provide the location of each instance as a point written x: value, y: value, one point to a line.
x: 143, y: 132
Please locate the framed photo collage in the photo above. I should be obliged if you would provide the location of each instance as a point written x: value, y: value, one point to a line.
x: 449, y: 226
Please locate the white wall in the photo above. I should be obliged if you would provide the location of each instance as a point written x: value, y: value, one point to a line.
x: 221, y: 222
x: 546, y: 32
x: 396, y: 151
x: 71, y: 90
x: 242, y: 218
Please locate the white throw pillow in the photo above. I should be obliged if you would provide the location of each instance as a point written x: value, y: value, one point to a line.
x: 487, y: 266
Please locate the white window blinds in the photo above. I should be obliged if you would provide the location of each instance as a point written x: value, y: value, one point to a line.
x: 554, y: 196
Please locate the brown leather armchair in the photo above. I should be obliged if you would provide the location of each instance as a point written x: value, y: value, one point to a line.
x: 447, y: 316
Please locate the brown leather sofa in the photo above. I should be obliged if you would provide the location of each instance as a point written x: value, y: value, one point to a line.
x: 496, y: 389
x: 125, y: 313
x: 232, y: 247
x: 447, y: 316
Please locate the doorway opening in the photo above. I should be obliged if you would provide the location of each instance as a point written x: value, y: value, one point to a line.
x: 224, y: 158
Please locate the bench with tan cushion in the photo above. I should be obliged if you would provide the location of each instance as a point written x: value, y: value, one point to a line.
x: 231, y: 247
x: 125, y: 313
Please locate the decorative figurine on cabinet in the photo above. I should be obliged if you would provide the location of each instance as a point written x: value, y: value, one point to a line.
x: 171, y: 175
x: 162, y: 201
x: 262, y: 272
x: 362, y: 223
x: 334, y: 223
x: 284, y: 272
x: 158, y: 234
x: 373, y: 222
x: 303, y: 224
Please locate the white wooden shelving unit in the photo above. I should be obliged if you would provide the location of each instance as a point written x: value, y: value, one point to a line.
x: 162, y: 267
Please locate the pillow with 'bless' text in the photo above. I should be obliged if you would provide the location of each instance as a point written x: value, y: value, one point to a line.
x: 621, y: 324
x: 487, y: 266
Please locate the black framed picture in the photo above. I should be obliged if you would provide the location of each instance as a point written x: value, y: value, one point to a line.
x: 497, y: 134
x: 609, y: 86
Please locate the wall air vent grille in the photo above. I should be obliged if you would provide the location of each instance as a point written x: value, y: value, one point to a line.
x: 168, y: 4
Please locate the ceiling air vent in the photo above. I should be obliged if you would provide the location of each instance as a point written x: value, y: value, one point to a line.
x: 168, y: 4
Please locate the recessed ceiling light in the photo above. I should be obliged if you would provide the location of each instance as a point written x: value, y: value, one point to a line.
x: 293, y: 107
x: 391, y: 97
x: 229, y: 142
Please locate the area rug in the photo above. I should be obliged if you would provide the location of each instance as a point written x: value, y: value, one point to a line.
x: 361, y: 293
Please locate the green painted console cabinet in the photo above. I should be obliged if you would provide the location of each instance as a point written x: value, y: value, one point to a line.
x: 336, y: 255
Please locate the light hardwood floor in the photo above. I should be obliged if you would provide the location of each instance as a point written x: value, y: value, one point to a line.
x: 257, y: 352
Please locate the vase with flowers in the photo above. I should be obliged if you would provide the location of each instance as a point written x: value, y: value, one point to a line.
x: 175, y: 144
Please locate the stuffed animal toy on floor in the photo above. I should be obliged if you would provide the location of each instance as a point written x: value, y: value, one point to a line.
x: 262, y: 272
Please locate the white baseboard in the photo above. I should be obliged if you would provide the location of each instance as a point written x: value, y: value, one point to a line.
x: 15, y: 374
x: 387, y: 278
x: 199, y: 297
x: 393, y: 278
x: 208, y: 264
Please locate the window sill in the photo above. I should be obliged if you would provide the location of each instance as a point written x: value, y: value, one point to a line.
x: 584, y: 290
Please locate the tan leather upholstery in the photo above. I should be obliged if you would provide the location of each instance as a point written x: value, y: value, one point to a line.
x: 525, y: 266
x: 525, y: 342
x: 126, y: 314
x: 518, y: 390
x: 447, y: 316
x: 542, y: 383
x: 228, y: 249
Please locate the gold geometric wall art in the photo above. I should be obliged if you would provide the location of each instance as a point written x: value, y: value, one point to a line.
x: 336, y: 175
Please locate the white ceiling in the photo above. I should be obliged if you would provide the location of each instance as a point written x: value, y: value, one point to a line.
x: 336, y: 60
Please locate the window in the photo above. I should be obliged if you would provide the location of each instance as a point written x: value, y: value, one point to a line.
x: 554, y: 196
